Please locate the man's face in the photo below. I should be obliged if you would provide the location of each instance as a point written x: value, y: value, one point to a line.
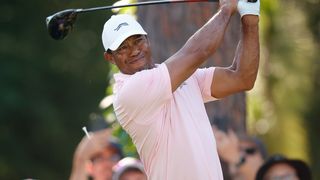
x: 281, y: 171
x: 133, y: 55
x: 101, y: 165
x: 253, y: 156
x: 133, y: 175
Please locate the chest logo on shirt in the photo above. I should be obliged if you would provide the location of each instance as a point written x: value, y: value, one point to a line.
x: 183, y: 84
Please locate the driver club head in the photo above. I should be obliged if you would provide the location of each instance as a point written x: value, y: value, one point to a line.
x: 61, y: 23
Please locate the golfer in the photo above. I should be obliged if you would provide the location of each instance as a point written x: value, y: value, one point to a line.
x: 161, y: 106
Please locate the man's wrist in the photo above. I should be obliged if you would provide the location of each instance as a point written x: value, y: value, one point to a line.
x: 227, y: 10
x: 250, y: 20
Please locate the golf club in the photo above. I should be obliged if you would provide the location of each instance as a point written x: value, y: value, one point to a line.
x: 61, y: 23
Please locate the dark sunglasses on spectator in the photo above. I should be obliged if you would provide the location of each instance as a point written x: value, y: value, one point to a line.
x: 250, y: 150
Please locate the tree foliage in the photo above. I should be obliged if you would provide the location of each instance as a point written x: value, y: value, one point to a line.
x: 48, y: 88
x: 312, y: 11
x: 283, y: 105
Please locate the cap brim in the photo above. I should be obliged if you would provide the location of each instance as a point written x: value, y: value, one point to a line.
x: 114, y: 46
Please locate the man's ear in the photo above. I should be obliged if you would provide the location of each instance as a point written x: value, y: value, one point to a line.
x: 108, y: 57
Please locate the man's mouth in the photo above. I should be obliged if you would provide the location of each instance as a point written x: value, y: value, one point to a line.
x: 134, y: 60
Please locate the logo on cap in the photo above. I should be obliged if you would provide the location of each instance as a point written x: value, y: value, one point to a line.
x: 120, y: 25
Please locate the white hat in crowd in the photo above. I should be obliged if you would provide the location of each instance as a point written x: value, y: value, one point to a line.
x: 126, y: 164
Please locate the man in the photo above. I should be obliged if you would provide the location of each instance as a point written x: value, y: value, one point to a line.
x: 243, y: 154
x: 162, y: 106
x: 96, y: 156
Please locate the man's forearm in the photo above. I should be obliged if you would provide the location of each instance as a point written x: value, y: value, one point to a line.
x: 199, y: 47
x: 78, y: 171
x: 207, y: 39
x: 248, y: 51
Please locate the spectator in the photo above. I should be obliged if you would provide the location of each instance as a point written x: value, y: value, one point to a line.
x: 243, y: 154
x: 95, y: 156
x: 129, y: 169
x: 278, y: 167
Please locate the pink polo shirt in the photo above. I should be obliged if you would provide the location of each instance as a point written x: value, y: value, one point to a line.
x: 171, y: 131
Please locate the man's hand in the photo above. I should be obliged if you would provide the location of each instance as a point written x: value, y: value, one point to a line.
x: 227, y: 145
x: 248, y: 8
x: 85, y: 150
x: 89, y: 147
x: 229, y: 4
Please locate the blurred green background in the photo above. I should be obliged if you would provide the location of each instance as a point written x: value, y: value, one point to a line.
x: 50, y: 89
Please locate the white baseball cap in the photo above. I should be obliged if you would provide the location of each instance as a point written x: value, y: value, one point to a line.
x: 118, y: 28
x: 125, y: 164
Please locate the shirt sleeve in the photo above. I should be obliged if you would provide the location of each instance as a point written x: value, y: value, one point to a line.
x: 143, y: 94
x: 204, y: 77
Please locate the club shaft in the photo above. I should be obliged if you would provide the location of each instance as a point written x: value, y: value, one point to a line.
x: 141, y: 4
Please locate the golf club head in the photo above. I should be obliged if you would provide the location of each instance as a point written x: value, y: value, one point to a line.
x: 61, y: 23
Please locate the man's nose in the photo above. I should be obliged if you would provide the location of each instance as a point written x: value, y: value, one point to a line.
x: 134, y: 50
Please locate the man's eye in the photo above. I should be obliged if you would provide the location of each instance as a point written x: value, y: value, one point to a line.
x: 138, y: 40
x: 122, y: 48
